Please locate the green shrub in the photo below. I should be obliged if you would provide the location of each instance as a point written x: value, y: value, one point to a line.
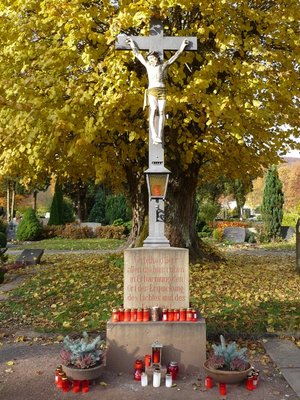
x: 3, y: 240
x: 97, y: 213
x: 116, y: 208
x: 218, y: 234
x: 68, y: 214
x: 30, y: 227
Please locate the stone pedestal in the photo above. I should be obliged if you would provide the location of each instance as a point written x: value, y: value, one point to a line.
x: 184, y: 342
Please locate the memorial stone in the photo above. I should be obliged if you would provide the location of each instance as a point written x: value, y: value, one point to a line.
x: 235, y: 234
x: 287, y: 232
x: 30, y: 257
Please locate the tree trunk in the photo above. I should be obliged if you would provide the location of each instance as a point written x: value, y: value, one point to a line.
x: 181, y: 212
x: 81, y: 202
x: 139, y: 200
x: 34, y: 194
x: 13, y: 196
x: 8, y: 202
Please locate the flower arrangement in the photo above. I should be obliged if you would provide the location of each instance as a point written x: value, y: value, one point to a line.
x: 228, y: 357
x: 82, y: 352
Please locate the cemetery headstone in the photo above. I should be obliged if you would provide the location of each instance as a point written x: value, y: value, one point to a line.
x: 30, y: 256
x: 287, y: 232
x: 235, y: 234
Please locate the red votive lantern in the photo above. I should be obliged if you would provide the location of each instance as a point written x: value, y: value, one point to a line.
x: 182, y: 313
x: 61, y: 375
x: 121, y: 314
x: 170, y: 314
x: 115, y: 315
x: 189, y: 314
x: 133, y: 315
x: 164, y: 314
x: 255, y: 379
x: 173, y: 369
x: 147, y: 360
x: 156, y: 353
x: 65, y: 384
x: 146, y: 314
x: 127, y: 315
x: 176, y: 314
x: 222, y: 389
x: 76, y: 386
x: 57, y: 376
x: 138, y: 369
x: 209, y: 382
x: 139, y: 315
x: 249, y: 382
x: 85, y: 386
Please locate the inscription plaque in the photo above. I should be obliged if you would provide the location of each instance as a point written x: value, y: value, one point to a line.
x: 156, y: 277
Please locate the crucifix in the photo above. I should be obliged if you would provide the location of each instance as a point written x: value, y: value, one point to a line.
x: 156, y: 43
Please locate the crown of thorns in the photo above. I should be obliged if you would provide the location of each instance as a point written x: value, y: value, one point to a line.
x: 153, y: 53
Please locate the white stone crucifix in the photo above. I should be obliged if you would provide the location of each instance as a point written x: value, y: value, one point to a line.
x: 156, y: 43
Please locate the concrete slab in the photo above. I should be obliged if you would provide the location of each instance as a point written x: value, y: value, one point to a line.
x: 283, y: 352
x: 292, y: 376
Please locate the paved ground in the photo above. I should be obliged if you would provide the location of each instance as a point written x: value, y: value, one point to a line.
x: 27, y: 372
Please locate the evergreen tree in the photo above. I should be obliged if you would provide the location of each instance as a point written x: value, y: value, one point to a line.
x: 272, y: 206
x: 30, y: 227
x: 56, y: 211
x: 97, y: 213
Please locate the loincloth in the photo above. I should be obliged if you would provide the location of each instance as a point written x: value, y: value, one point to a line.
x: 158, y: 92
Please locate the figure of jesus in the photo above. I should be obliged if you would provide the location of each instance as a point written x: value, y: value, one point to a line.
x: 156, y: 91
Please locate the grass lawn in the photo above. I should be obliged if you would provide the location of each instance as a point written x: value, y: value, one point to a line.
x: 246, y: 294
x: 72, y: 244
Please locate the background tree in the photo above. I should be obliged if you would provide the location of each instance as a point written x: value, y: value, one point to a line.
x: 71, y: 104
x: 97, y: 213
x: 239, y: 189
x: 56, y: 211
x: 272, y: 205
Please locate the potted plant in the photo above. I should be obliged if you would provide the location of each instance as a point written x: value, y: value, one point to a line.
x: 227, y: 363
x: 83, y: 357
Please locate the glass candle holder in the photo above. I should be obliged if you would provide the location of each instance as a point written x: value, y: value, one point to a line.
x: 144, y: 379
x: 168, y: 380
x: 156, y: 378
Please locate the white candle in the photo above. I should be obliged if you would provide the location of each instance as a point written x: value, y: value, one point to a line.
x: 144, y: 379
x: 156, y: 378
x: 168, y: 380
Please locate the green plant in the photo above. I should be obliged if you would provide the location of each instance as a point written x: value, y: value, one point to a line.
x: 30, y: 227
x: 97, y: 213
x: 228, y: 357
x: 116, y: 208
x: 82, y: 352
x: 3, y: 240
x: 272, y: 206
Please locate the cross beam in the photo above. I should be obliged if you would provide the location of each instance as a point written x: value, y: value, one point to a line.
x: 156, y: 41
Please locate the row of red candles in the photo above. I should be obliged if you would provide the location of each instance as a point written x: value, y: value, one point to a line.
x: 65, y: 384
x: 143, y: 315
x: 251, y: 382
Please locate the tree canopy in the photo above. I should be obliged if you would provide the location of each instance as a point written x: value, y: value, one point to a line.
x: 71, y: 105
